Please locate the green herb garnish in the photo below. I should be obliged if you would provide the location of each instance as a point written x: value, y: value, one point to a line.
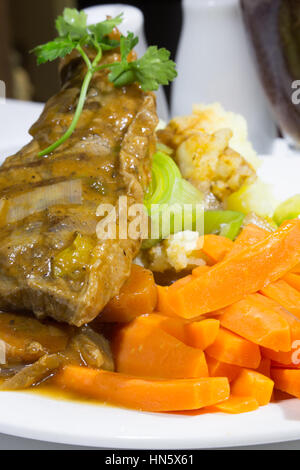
x: 153, y: 69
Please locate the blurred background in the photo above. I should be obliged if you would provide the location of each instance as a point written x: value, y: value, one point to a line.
x: 244, y: 54
x: 27, y: 23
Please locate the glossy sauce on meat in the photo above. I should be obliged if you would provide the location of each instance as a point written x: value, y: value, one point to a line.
x: 110, y: 155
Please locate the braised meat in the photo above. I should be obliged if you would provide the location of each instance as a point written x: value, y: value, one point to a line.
x: 51, y: 260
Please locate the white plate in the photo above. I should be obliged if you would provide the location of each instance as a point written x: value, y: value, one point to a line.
x: 39, y: 417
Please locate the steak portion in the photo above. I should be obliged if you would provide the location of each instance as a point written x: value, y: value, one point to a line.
x: 51, y: 261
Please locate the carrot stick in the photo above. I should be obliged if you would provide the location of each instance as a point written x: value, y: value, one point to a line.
x: 221, y: 369
x: 216, y: 247
x: 137, y: 297
x: 142, y: 348
x: 200, y: 270
x: 173, y: 326
x: 245, y: 273
x: 264, y: 367
x: 287, y: 380
x: 236, y: 405
x: 199, y: 334
x: 143, y: 394
x: 294, y: 324
x: 296, y: 269
x: 254, y: 318
x: 202, y: 334
x: 253, y: 384
x: 163, y: 304
x: 249, y: 236
x: 285, y: 295
x: 293, y: 280
x: 233, y: 349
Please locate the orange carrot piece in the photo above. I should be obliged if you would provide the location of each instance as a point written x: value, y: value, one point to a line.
x: 181, y: 282
x: 287, y: 380
x: 250, y: 235
x: 254, y: 318
x: 137, y: 297
x: 202, y: 334
x: 294, y: 324
x: 200, y: 270
x: 233, y: 349
x: 163, y: 304
x: 199, y: 334
x: 216, y: 247
x: 236, y: 405
x: 296, y: 269
x: 143, y: 394
x: 293, y: 280
x: 142, y: 348
x: 285, y: 295
x: 172, y: 326
x: 221, y: 369
x: 251, y: 383
x: 264, y: 367
x: 236, y: 276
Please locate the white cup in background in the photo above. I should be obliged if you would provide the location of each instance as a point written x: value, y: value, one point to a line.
x: 133, y: 20
x: 215, y: 63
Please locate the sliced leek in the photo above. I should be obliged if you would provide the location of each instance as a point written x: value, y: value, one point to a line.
x: 173, y: 203
x: 225, y: 223
x: 289, y: 209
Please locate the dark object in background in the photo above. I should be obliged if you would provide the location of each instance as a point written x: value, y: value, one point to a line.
x: 5, y: 64
x: 274, y: 29
x: 163, y: 21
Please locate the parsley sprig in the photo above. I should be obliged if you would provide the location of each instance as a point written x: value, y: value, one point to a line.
x: 152, y: 70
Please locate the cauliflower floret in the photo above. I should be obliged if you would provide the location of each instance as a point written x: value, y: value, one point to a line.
x: 180, y: 251
x: 211, y: 165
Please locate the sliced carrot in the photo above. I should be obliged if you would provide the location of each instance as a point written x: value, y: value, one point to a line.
x: 199, y: 334
x: 163, y: 304
x: 287, y: 380
x: 254, y: 318
x: 236, y: 405
x: 200, y: 270
x: 172, y: 326
x: 250, y: 235
x: 232, y: 349
x: 293, y: 280
x: 216, y: 247
x: 264, y: 366
x: 181, y: 282
x: 143, y: 394
x: 296, y: 269
x: 251, y: 383
x: 285, y: 295
x: 245, y: 273
x: 202, y: 334
x: 142, y: 348
x: 294, y: 324
x: 283, y: 358
x: 221, y: 369
x: 137, y: 297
